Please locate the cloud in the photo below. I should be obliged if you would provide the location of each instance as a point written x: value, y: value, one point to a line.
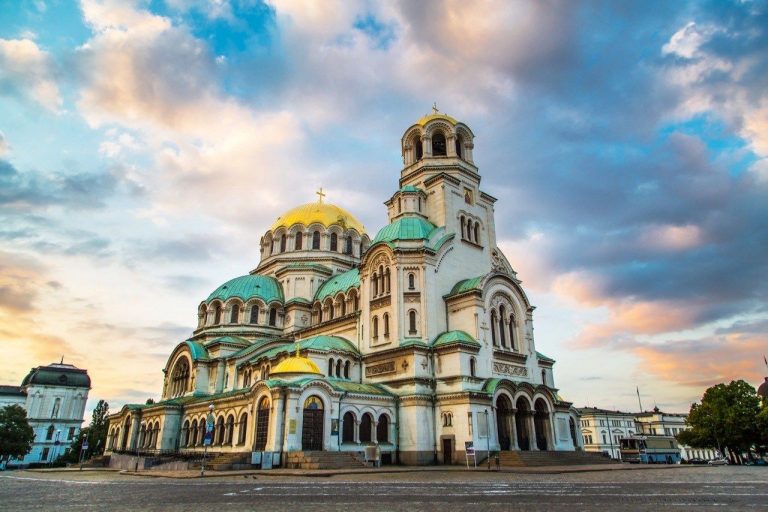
x: 26, y: 70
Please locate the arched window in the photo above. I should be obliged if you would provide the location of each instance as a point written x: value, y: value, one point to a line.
x: 459, y: 145
x: 472, y: 367
x: 316, y: 240
x: 219, y: 431
x: 502, y: 333
x: 463, y: 224
x: 419, y: 203
x: 477, y: 232
x: 399, y: 204
x: 343, y: 303
x: 297, y: 241
x: 334, y: 242
x: 544, y: 377
x: 375, y: 283
x: 357, y: 303
x: 254, y: 314
x: 282, y: 243
x: 382, y: 429
x: 375, y: 327
x: 512, y: 343
x: 348, y: 245
x: 386, y: 281
x: 330, y: 367
x: 385, y: 318
x: 329, y: 306
x: 201, y: 429
x: 493, y: 329
x: 193, y: 431
x: 180, y: 378
x: 217, y: 314
x: 411, y: 282
x: 243, y: 430
x: 185, y: 434
x: 366, y: 425
x: 346, y: 370
x: 411, y: 322
x: 234, y: 313
x: 49, y: 433
x: 438, y: 144
x: 418, y: 149
x: 56, y: 407
x: 230, y: 429
x: 348, y: 428
x: 273, y: 316
x: 338, y: 368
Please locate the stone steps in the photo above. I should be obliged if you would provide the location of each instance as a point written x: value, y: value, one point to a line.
x: 322, y: 460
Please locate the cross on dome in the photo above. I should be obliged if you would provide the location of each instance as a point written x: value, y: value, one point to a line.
x: 320, y: 195
x: 434, y: 108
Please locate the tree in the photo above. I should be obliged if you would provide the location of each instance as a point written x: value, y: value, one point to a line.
x: 725, y: 418
x: 16, y: 435
x: 97, y: 430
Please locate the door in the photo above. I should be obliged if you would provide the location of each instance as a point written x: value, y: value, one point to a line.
x: 447, y: 451
x: 312, y: 425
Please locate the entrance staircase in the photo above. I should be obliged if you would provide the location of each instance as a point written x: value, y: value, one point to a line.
x: 227, y: 461
x: 323, y: 460
x: 552, y: 458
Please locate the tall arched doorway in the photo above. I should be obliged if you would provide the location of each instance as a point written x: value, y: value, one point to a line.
x: 503, y: 422
x: 312, y: 424
x: 126, y: 429
x: 521, y: 418
x: 541, y: 424
x: 262, y: 425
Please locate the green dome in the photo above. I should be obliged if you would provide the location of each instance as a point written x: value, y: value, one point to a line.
x: 339, y: 283
x: 247, y: 287
x: 405, y: 228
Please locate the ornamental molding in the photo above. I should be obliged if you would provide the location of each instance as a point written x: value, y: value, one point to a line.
x: 510, y: 370
x: 381, y: 302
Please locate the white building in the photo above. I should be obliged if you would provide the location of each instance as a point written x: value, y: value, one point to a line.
x: 54, y: 397
x: 658, y: 423
x: 602, y: 430
x: 418, y: 340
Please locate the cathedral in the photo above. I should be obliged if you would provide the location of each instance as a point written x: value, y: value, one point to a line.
x: 417, y: 341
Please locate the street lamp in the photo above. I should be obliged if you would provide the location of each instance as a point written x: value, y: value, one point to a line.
x: 207, y: 437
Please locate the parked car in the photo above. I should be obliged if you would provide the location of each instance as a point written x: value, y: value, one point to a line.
x: 696, y: 460
x: 718, y: 462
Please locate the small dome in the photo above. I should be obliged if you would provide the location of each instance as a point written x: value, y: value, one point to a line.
x: 246, y: 287
x: 431, y: 117
x: 296, y: 365
x: 406, y: 228
x: 322, y: 213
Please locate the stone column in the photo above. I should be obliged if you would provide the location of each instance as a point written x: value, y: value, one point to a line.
x: 531, y: 431
x: 513, y: 430
x: 274, y: 444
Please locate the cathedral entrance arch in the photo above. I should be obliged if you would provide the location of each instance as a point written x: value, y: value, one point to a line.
x: 262, y: 425
x: 503, y: 422
x: 312, y: 425
x: 541, y: 424
x: 522, y: 416
x: 126, y: 429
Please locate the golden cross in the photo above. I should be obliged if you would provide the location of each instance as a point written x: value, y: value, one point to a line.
x: 320, y: 195
x: 434, y: 108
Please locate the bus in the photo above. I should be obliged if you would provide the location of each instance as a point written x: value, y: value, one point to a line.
x: 650, y: 450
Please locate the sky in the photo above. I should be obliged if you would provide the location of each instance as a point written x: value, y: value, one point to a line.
x: 146, y: 146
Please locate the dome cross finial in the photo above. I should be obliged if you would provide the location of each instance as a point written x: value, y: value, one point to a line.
x: 320, y: 195
x: 434, y: 108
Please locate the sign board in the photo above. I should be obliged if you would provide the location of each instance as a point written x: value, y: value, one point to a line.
x: 469, y: 452
x: 266, y: 461
x: 85, y: 445
x: 291, y: 426
x: 334, y: 427
x: 207, y: 438
x: 256, y: 458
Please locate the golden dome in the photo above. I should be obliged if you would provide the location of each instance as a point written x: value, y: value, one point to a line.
x: 323, y: 213
x: 424, y: 120
x: 295, y: 364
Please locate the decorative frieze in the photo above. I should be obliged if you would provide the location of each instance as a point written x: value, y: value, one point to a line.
x: 509, y: 369
x: 380, y: 369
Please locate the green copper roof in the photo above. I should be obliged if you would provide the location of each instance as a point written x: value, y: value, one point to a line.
x: 412, y: 342
x: 491, y: 385
x: 356, y: 387
x: 256, y: 345
x: 197, y: 350
x: 247, y: 287
x: 405, y: 228
x: 232, y: 340
x: 298, y: 300
x: 451, y: 337
x: 410, y: 188
x: 466, y: 285
x: 542, y: 357
x: 58, y: 374
x: 339, y: 283
x: 317, y: 343
x: 301, y: 265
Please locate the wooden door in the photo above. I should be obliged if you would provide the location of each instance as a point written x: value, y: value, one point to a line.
x: 312, y: 430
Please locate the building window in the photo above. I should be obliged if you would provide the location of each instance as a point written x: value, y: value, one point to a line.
x: 217, y: 314
x: 438, y: 144
x: 386, y: 281
x: 463, y: 225
x: 418, y: 148
x: 49, y: 433
x: 316, y: 240
x: 346, y: 370
x: 375, y: 327
x: 493, y: 329
x: 411, y: 322
x: 273, y: 316
x: 71, y: 433
x: 334, y: 242
x: 411, y: 282
x: 459, y: 144
x: 243, y: 429
x: 56, y: 407
x: 255, y: 314
x: 385, y: 319
x: 447, y: 419
x: 501, y: 327
x: 348, y: 245
x: 382, y: 429
x: 234, y: 314
x: 330, y: 367
x: 297, y: 242
x: 544, y: 377
x: 366, y: 425
x: 338, y: 368
x: 348, y: 428
x: 282, y: 243
x: 477, y: 232
x: 472, y: 367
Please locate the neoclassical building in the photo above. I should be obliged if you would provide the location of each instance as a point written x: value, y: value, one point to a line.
x: 417, y: 340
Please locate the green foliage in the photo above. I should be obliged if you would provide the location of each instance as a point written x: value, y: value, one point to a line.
x: 16, y: 435
x: 97, y: 430
x: 725, y: 418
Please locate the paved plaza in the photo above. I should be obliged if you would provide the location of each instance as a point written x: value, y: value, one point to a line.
x: 668, y: 488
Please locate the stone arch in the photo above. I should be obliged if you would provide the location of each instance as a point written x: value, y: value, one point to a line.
x: 366, y: 427
x: 348, y: 422
x: 523, y: 415
x: 233, y: 309
x: 543, y: 424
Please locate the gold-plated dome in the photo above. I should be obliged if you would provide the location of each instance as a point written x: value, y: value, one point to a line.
x: 445, y: 117
x: 295, y: 364
x: 323, y: 213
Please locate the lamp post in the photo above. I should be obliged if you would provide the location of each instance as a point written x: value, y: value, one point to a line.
x: 207, y: 437
x: 487, y: 440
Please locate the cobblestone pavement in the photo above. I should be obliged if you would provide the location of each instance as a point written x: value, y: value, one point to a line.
x: 682, y: 488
